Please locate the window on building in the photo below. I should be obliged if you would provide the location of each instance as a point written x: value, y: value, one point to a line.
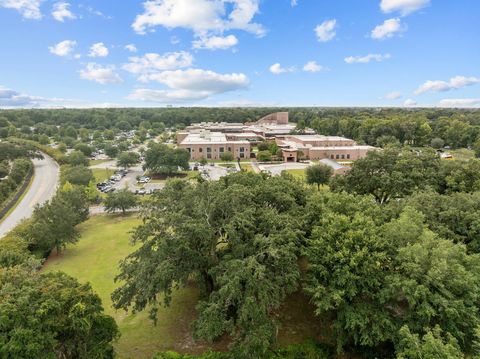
x: 209, y: 149
x: 332, y: 157
x: 200, y: 149
x: 343, y: 157
x: 242, y: 155
x: 188, y: 149
x: 221, y: 149
x: 209, y: 156
x: 348, y: 157
x: 242, y: 149
x: 337, y: 157
x: 229, y: 149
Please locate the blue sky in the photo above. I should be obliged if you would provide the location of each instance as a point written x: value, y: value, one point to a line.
x: 239, y: 52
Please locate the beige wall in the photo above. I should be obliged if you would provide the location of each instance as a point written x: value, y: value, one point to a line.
x: 198, y: 151
x: 337, y: 154
x: 322, y: 143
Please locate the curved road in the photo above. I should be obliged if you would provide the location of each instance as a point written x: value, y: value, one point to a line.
x: 43, y: 188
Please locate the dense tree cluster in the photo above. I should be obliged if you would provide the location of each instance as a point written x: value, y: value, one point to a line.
x: 160, y: 158
x: 238, y: 237
x: 15, y: 165
x: 397, y: 278
x: 51, y: 316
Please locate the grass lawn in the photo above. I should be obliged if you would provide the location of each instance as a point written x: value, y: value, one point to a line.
x: 297, y: 173
x: 105, y: 241
x: 97, y: 162
x: 102, y: 174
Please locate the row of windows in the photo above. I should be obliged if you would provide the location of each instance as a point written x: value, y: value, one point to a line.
x: 338, y: 157
x: 221, y: 149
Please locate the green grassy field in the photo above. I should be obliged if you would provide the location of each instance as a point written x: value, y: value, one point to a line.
x: 297, y: 173
x: 102, y: 174
x: 104, y: 242
x: 97, y: 162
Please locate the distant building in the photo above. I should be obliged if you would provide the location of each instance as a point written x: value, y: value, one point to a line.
x: 210, y: 139
x: 317, y: 147
x: 211, y: 145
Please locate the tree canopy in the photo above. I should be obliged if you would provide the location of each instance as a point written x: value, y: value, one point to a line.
x: 237, y: 237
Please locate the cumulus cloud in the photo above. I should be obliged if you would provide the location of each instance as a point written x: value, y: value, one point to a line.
x: 131, y: 48
x: 454, y: 83
x: 388, y: 29
x: 404, y: 7
x: 200, y: 16
x: 61, y: 11
x: 98, y: 50
x: 326, y: 30
x: 29, y: 9
x: 152, y: 63
x: 410, y: 103
x: 367, y: 58
x: 294, y: 3
x: 312, y: 66
x: 215, y: 42
x: 278, y: 69
x: 11, y: 98
x: 393, y: 95
x: 460, y: 102
x: 190, y: 84
x: 101, y: 74
x: 63, y: 48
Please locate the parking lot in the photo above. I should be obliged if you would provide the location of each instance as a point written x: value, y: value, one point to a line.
x: 129, y: 179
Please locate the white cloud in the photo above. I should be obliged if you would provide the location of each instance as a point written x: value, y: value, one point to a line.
x: 152, y: 63
x: 410, y: 103
x: 166, y: 96
x: 388, y: 29
x: 98, y: 50
x: 326, y: 30
x: 393, y: 95
x: 454, y: 83
x: 294, y: 3
x: 201, y: 16
x: 29, y: 9
x: 101, y: 74
x: 63, y: 48
x: 460, y: 102
x: 367, y: 58
x: 14, y: 99
x: 201, y: 80
x: 131, y: 48
x: 191, y: 84
x: 405, y: 7
x: 215, y: 42
x: 61, y: 11
x: 278, y: 69
x: 312, y: 66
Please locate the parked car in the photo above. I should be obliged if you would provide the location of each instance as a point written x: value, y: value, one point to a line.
x: 141, y: 191
x: 143, y: 179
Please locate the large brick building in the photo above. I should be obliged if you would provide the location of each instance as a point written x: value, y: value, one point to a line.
x: 210, y: 139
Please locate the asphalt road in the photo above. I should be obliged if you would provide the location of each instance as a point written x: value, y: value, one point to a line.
x: 43, y: 188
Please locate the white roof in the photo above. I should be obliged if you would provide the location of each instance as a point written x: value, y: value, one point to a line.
x: 208, y: 138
